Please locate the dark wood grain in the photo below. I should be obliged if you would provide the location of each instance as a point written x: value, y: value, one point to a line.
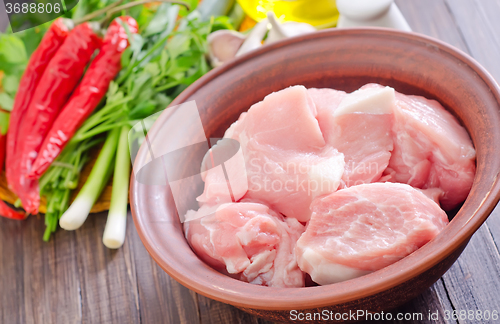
x: 213, y: 312
x: 431, y: 301
x: 478, y: 22
x: 50, y: 277
x: 107, y: 277
x: 432, y: 18
x: 474, y: 279
x: 75, y: 279
x: 41, y: 280
x: 11, y: 271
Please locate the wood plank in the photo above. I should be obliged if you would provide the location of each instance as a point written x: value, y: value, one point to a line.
x: 161, y: 299
x: 493, y: 225
x: 473, y: 282
x: 478, y: 22
x: 108, y: 277
x: 214, y: 312
x: 45, y: 276
x: 431, y: 301
x: 11, y: 270
x: 432, y: 18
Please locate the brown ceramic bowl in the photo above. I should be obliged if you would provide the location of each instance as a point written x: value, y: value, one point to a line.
x: 341, y: 59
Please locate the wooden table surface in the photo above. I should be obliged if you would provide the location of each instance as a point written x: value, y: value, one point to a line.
x: 75, y: 279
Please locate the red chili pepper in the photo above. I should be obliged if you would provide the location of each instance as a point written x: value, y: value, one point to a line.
x: 5, y: 210
x: 37, y: 64
x: 87, y: 95
x: 8, y: 212
x: 58, y: 81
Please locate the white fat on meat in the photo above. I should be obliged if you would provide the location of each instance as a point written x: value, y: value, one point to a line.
x: 376, y: 101
x: 364, y: 228
x: 248, y: 241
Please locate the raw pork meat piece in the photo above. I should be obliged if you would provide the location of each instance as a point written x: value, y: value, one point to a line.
x: 248, y: 241
x: 364, y: 228
x: 358, y: 125
x: 289, y: 181
x: 286, y: 161
x: 431, y: 149
x: 326, y: 101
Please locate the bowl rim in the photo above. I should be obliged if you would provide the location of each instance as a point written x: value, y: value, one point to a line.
x: 390, y: 279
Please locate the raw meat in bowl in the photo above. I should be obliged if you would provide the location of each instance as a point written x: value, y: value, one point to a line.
x: 366, y: 173
x: 431, y: 149
x: 364, y: 228
x: 286, y: 161
x: 248, y: 241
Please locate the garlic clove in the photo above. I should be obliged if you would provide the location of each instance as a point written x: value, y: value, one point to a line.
x: 285, y: 30
x: 223, y: 46
x: 254, y: 39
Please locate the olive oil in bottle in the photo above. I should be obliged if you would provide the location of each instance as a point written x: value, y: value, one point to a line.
x: 319, y: 13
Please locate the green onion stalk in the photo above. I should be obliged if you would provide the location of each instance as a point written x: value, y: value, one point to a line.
x: 61, y: 178
x: 77, y: 213
x: 114, y: 232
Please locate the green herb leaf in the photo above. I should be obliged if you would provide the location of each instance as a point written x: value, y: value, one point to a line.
x: 161, y: 19
x: 6, y: 102
x: 222, y: 22
x: 10, y: 83
x: 4, y: 122
x: 153, y: 69
x: 143, y: 110
x: 177, y: 45
x: 32, y: 37
x: 12, y: 49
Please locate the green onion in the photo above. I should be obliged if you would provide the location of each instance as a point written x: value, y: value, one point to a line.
x: 77, y: 213
x: 114, y: 232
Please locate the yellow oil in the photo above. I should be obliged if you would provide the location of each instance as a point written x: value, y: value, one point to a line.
x: 319, y: 13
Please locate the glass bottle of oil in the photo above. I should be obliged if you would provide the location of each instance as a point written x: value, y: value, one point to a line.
x: 319, y: 13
